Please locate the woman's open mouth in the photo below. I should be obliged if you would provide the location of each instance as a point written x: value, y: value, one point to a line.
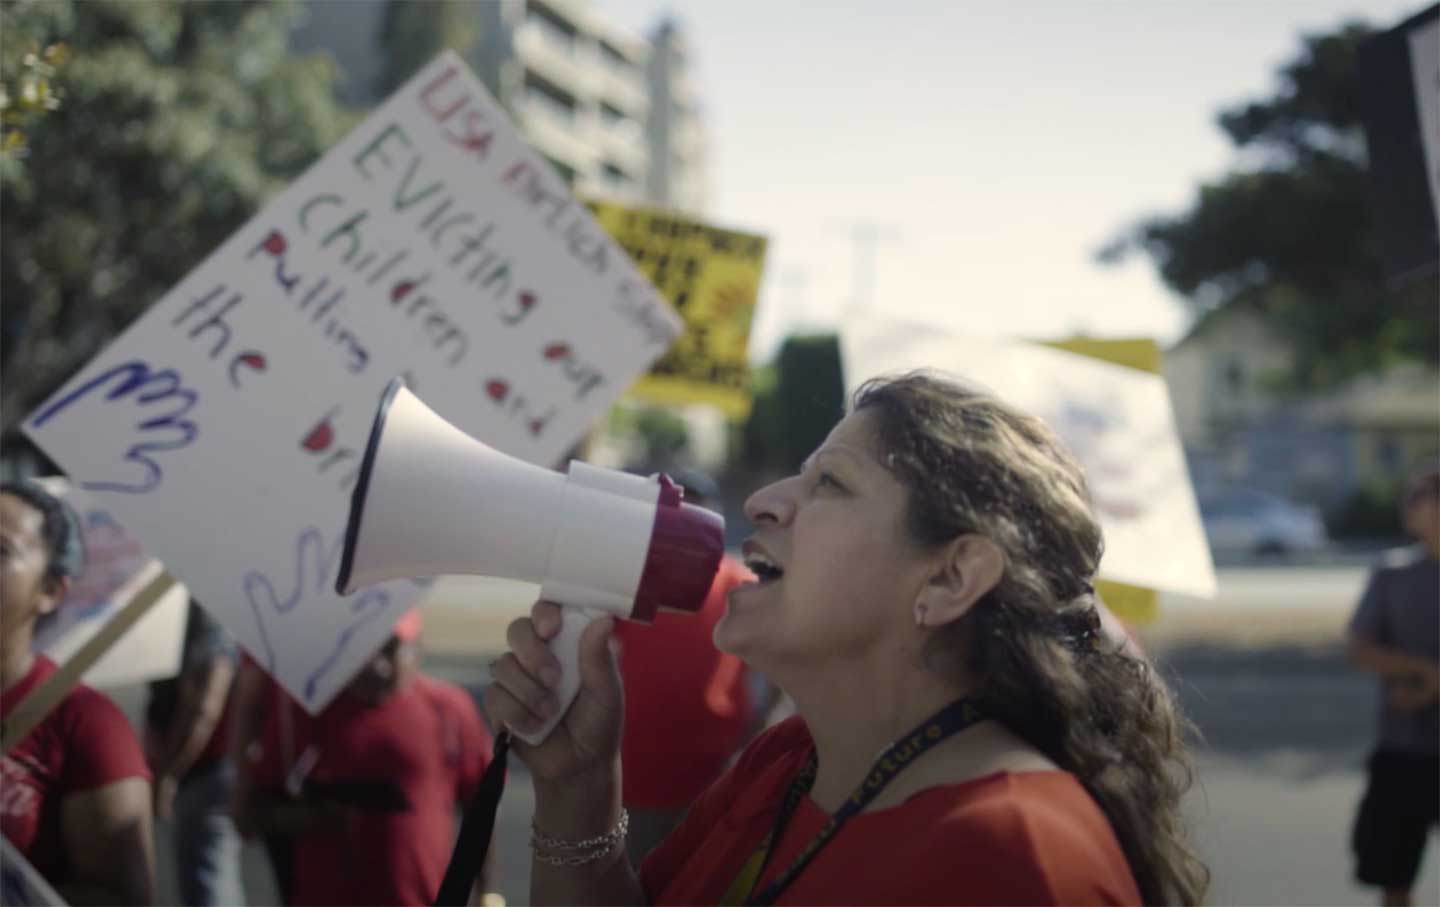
x: 759, y: 562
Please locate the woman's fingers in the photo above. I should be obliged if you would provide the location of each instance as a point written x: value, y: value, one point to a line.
x: 546, y: 617
x: 514, y: 698
x: 527, y: 640
x: 598, y: 671
x: 519, y: 695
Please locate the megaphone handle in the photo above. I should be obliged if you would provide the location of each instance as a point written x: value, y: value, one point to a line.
x: 565, y: 646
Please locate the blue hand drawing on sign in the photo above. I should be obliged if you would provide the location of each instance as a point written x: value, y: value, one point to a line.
x: 377, y: 597
x: 257, y: 584
x: 161, y: 404
x: 314, y: 572
x: 97, y: 520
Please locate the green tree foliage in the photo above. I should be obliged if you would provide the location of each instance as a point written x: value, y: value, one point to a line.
x: 28, y: 86
x: 809, y: 395
x: 1289, y: 229
x: 178, y: 121
x: 796, y: 399
x: 414, y: 31
x: 761, y: 435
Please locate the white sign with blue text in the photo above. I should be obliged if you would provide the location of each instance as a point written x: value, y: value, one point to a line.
x: 226, y: 426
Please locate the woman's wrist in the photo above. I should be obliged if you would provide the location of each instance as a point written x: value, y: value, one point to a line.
x: 579, y: 807
x: 579, y: 851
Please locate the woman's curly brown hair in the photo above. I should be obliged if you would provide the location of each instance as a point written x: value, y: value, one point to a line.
x: 1033, y: 644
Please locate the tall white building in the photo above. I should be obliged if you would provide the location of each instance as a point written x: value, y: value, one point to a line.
x: 614, y: 112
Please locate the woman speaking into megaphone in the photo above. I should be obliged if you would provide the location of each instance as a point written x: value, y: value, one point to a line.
x: 967, y: 730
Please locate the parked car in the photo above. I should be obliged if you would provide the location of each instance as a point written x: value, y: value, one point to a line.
x: 1250, y: 521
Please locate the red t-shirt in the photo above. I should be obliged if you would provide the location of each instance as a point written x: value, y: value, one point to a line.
x: 1007, y: 838
x: 428, y: 741
x: 84, y: 743
x: 686, y: 703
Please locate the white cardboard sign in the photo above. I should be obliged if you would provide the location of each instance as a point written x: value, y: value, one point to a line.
x: 1117, y: 421
x: 115, y: 571
x: 225, y: 427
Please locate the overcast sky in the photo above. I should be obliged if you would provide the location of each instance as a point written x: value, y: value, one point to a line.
x: 992, y: 146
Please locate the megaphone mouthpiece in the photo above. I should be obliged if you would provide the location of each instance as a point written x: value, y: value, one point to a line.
x: 685, y: 550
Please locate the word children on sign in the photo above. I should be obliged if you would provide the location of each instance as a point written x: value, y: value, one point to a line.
x: 225, y: 427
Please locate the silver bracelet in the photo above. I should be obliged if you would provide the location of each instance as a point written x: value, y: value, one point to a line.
x: 578, y: 853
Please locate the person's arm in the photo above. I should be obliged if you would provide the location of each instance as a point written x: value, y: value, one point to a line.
x: 106, y: 833
x: 1412, y: 682
x: 1387, y: 662
x: 579, y: 810
x: 1367, y: 643
x: 247, y: 719
x: 203, y: 692
x: 576, y: 770
x: 1415, y: 681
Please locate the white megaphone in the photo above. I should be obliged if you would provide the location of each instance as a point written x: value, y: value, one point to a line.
x: 431, y: 500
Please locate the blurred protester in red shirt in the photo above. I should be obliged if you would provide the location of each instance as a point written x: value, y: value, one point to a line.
x: 368, y: 799
x: 254, y: 697
x: 74, y: 791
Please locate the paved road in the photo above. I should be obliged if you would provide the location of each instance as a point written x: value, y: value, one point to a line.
x: 1286, y: 727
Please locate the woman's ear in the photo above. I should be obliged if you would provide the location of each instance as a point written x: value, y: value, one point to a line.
x: 52, y: 592
x: 969, y: 567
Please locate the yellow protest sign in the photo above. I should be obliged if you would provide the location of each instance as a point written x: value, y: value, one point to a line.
x: 1139, y: 353
x: 1132, y: 604
x: 712, y: 277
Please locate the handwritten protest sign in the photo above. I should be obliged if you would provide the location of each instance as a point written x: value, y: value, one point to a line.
x: 1116, y: 420
x: 1132, y: 604
x: 225, y: 427
x: 712, y: 277
x: 115, y: 564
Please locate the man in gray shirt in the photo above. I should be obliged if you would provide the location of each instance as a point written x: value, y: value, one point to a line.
x: 1396, y: 633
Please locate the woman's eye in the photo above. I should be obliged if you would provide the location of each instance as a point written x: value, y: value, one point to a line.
x: 826, y: 479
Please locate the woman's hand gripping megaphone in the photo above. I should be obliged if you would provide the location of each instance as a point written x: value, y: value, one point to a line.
x: 522, y: 696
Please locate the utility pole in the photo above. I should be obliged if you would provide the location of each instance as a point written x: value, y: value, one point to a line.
x: 865, y: 238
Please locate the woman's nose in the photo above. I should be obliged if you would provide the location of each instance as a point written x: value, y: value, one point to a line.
x: 773, y: 503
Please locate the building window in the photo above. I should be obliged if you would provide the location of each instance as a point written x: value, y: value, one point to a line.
x: 614, y: 176
x: 1234, y: 377
x: 613, y: 57
x: 556, y: 28
x: 618, y: 121
x: 566, y: 172
x: 547, y: 95
x: 611, y: 115
x: 1388, y: 451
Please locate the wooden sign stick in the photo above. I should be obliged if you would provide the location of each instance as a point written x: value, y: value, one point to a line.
x: 45, y: 697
